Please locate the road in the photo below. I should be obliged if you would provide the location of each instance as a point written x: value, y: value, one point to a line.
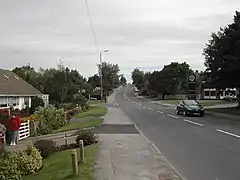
x: 200, y: 148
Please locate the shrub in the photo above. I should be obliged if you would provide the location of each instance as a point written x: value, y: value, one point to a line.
x: 32, y: 117
x: 15, y: 164
x: 87, y: 137
x: 50, y: 118
x: 35, y: 103
x: 46, y: 147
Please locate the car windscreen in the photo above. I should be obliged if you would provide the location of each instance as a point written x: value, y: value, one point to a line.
x: 191, y: 103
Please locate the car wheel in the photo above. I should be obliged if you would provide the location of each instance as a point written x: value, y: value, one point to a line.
x: 184, y: 113
x: 201, y: 114
x: 178, y: 112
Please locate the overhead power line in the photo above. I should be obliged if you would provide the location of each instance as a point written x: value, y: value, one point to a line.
x: 92, y: 27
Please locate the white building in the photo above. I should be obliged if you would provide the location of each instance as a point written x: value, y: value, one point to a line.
x: 16, y: 92
x: 211, y: 93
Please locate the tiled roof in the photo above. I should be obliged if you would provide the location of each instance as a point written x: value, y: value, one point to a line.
x: 10, y: 84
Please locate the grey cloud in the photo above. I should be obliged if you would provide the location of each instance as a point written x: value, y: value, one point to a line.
x: 146, y: 34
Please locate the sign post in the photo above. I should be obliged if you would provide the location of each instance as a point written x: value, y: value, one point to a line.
x: 192, y: 87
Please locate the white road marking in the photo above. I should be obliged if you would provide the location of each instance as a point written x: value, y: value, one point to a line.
x: 228, y: 133
x: 160, y: 112
x: 150, y: 109
x: 192, y: 122
x: 172, y: 116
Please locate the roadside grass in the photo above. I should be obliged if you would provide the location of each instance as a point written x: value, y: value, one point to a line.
x: 94, y: 111
x: 81, y: 123
x: 202, y: 102
x: 59, y: 166
x: 95, y: 102
x: 233, y: 111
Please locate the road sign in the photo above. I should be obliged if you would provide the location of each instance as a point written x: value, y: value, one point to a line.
x: 191, y: 78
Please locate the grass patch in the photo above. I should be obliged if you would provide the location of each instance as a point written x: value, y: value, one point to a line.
x: 95, y: 111
x: 171, y: 101
x: 95, y: 102
x: 202, y: 102
x: 58, y: 166
x: 82, y: 123
x: 233, y: 111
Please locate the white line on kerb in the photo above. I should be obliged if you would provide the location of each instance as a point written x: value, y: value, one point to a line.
x: 160, y: 112
x: 228, y: 133
x: 191, y: 122
x: 172, y: 116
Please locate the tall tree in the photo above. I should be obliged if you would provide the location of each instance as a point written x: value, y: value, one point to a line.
x: 222, y: 56
x: 138, y: 78
x: 109, y: 75
x: 123, y: 80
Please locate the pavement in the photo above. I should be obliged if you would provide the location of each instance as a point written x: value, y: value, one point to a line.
x: 126, y: 154
x: 200, y: 148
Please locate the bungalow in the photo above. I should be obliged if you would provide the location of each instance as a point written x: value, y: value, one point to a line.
x: 16, y: 92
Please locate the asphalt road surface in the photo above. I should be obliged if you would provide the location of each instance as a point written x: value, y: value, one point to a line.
x: 200, y: 148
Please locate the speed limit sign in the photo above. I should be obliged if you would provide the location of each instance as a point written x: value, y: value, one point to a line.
x: 191, y: 78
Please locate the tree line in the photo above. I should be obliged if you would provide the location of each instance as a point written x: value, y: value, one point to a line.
x: 66, y: 85
x: 222, y: 61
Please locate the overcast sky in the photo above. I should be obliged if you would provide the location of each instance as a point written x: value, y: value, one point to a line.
x: 139, y: 33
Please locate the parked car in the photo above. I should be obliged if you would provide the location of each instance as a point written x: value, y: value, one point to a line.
x: 230, y: 97
x: 190, y: 107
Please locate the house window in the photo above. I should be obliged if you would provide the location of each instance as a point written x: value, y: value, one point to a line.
x: 13, y: 101
x: 213, y: 93
x: 26, y: 101
x: 206, y: 93
x: 3, y: 102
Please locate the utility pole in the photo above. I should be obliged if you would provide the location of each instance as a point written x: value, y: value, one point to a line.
x: 101, y: 77
x: 101, y: 72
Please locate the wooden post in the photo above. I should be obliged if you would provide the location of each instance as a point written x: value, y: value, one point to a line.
x: 65, y: 138
x: 81, y: 151
x: 74, y: 162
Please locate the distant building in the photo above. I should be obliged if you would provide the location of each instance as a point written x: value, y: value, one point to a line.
x: 16, y: 92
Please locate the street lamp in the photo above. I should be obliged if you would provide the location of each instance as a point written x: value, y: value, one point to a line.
x: 101, y: 73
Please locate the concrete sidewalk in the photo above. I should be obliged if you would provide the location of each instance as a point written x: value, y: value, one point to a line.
x: 128, y: 156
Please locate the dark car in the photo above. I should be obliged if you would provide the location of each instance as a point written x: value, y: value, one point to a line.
x: 190, y: 107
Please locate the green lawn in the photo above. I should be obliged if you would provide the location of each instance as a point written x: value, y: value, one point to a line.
x: 82, y: 123
x: 202, y: 102
x: 234, y: 110
x: 97, y: 102
x: 95, y: 111
x: 171, y: 101
x: 58, y: 166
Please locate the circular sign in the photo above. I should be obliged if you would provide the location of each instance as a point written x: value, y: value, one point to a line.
x: 191, y: 78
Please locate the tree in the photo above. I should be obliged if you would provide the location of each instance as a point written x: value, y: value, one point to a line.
x: 123, y: 80
x: 222, y: 56
x: 94, y: 81
x: 109, y: 75
x: 138, y: 78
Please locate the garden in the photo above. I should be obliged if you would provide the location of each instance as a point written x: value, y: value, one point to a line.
x: 44, y: 160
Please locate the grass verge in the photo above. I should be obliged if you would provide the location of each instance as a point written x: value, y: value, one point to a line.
x: 233, y: 111
x: 202, y: 102
x: 59, y: 166
x: 94, y: 111
x: 83, y: 123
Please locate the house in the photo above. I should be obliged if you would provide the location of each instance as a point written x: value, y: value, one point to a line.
x: 16, y: 92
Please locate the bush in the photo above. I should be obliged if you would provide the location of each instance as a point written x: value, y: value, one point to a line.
x: 46, y: 147
x: 87, y: 137
x: 15, y: 164
x: 51, y: 119
x: 35, y: 103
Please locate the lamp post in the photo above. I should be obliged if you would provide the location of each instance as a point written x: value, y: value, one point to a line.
x: 101, y: 72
